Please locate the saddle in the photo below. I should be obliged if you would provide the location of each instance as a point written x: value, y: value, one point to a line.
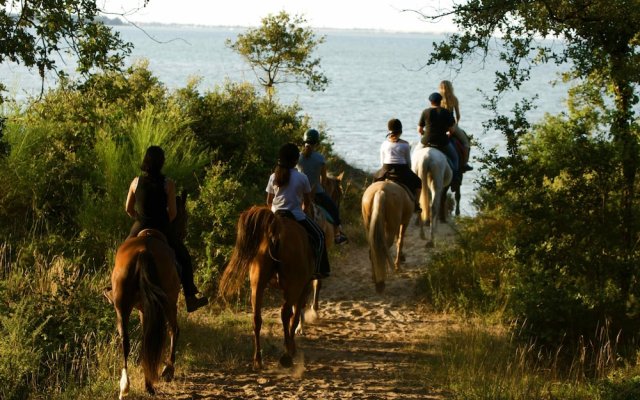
x: 154, y: 233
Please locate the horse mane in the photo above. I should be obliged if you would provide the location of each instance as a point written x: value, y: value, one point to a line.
x: 255, y: 225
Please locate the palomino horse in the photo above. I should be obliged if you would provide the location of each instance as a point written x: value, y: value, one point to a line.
x: 386, y: 212
x: 269, y: 245
x: 432, y: 167
x: 145, y: 277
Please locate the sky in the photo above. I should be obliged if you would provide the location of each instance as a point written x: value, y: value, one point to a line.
x: 343, y: 14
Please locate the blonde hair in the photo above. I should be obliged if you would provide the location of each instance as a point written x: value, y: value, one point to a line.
x: 449, y: 100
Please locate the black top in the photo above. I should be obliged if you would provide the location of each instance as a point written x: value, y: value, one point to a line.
x: 151, y: 202
x: 436, y: 123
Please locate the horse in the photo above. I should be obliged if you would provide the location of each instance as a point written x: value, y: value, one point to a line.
x: 268, y: 246
x: 386, y: 211
x: 432, y: 167
x: 319, y: 216
x: 455, y: 186
x: 333, y: 187
x: 145, y: 277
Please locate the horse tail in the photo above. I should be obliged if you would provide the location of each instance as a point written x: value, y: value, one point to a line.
x: 254, y: 227
x: 380, y: 256
x: 153, y: 309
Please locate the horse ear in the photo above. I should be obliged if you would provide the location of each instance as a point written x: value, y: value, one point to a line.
x: 339, y: 177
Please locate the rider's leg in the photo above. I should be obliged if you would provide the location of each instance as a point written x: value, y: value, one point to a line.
x: 317, y: 236
x: 323, y: 200
x: 186, y: 277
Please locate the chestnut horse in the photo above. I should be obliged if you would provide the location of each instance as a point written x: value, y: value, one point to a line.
x: 145, y: 277
x: 386, y: 211
x: 268, y: 246
x: 333, y: 188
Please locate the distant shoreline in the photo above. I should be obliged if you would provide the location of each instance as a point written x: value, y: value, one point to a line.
x: 119, y: 22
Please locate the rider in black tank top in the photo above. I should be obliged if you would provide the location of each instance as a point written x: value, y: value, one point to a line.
x: 148, y: 202
x: 151, y: 203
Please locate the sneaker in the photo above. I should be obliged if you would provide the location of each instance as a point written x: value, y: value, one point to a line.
x: 340, y: 238
x: 194, y: 303
x: 467, y: 168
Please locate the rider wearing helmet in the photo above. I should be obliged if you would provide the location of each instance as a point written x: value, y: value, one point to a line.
x: 395, y: 155
x: 313, y: 165
x: 289, y: 193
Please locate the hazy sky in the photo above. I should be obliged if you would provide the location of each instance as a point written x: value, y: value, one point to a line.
x: 362, y: 14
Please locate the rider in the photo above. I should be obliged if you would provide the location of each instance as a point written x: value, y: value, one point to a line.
x: 435, y: 126
x: 312, y: 164
x: 288, y: 190
x: 151, y: 201
x: 450, y: 102
x: 395, y: 156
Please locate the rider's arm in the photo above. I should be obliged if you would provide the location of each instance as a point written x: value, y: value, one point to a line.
x: 130, y: 205
x: 306, y: 203
x: 270, y: 199
x: 172, y: 209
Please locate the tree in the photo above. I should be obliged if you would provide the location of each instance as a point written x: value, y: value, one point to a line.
x: 280, y: 51
x: 35, y: 32
x: 569, y: 182
x: 601, y: 44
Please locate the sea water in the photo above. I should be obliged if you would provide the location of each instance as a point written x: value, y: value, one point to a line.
x: 373, y: 77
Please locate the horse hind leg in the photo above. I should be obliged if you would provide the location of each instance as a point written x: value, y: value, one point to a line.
x: 168, y: 371
x: 122, y: 323
x: 286, y: 314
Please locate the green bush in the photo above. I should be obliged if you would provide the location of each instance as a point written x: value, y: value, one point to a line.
x: 571, y: 271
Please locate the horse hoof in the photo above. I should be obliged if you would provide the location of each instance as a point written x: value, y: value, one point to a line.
x: 167, y: 373
x: 379, y: 287
x: 286, y: 361
x: 257, y: 365
x: 150, y: 389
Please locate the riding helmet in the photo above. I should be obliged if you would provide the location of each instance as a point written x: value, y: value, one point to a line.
x: 311, y: 136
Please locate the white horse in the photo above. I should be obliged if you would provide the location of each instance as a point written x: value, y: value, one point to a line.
x: 432, y: 167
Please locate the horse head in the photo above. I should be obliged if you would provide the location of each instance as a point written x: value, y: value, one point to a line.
x: 334, y: 188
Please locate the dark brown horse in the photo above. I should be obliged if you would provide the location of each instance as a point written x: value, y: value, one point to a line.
x: 145, y: 277
x: 269, y: 246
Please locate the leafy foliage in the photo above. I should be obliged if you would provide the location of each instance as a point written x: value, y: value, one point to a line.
x: 35, y: 32
x: 281, y: 49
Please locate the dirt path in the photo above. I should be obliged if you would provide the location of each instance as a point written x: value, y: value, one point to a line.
x: 359, y: 348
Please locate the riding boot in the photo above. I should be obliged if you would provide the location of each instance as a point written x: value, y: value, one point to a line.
x: 417, y: 208
x: 194, y: 303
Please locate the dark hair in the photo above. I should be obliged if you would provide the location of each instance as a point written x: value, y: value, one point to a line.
x: 394, y: 126
x: 288, y: 156
x: 153, y: 161
x: 435, y: 98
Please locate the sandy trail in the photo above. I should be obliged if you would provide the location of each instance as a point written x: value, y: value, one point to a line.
x: 359, y: 348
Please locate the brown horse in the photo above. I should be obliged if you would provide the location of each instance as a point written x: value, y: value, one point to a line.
x: 145, y: 277
x: 333, y: 188
x: 328, y: 229
x: 268, y: 246
x: 386, y: 212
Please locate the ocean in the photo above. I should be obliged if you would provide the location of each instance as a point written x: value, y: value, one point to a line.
x: 373, y: 76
